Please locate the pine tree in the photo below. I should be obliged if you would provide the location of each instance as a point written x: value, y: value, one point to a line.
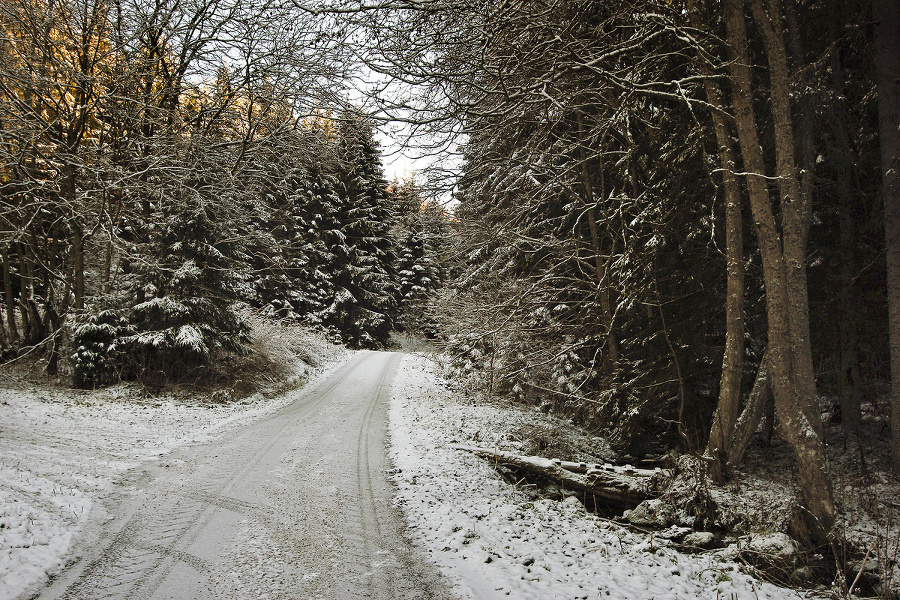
x: 187, y: 280
x: 363, y: 303
x: 422, y: 230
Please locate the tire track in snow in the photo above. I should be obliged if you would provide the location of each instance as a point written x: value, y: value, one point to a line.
x: 375, y: 567
x: 179, y: 541
x: 138, y: 559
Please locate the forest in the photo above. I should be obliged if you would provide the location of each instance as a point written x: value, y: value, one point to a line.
x: 675, y: 221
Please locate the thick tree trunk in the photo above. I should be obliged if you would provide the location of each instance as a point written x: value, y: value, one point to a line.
x: 794, y: 207
x: 719, y: 446
x: 887, y: 49
x: 784, y: 267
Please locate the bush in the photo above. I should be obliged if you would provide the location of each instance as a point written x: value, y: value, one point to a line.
x: 99, y: 350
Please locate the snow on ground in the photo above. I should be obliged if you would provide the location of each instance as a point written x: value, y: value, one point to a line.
x: 62, y: 450
x: 492, y: 541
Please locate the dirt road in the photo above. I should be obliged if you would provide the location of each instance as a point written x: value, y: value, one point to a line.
x: 296, y: 506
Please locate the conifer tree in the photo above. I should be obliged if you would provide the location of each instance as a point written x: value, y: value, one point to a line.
x: 187, y: 279
x: 316, y: 256
x: 422, y: 230
x: 363, y: 305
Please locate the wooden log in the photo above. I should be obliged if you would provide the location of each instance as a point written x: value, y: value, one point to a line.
x: 611, y: 483
x: 580, y: 467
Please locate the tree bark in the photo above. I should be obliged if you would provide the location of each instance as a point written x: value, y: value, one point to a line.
x: 747, y: 423
x: 8, y: 297
x: 616, y: 485
x: 719, y: 445
x: 4, y: 339
x: 795, y: 209
x: 887, y: 49
x: 784, y: 266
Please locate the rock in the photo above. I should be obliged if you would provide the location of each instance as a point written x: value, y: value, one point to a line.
x: 673, y: 533
x: 776, y: 544
x: 652, y: 513
x: 699, y: 539
x: 774, y: 552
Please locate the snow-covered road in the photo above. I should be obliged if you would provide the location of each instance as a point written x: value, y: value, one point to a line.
x: 114, y: 494
x: 296, y: 505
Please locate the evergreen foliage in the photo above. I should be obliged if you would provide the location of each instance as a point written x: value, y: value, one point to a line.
x: 422, y: 232
x: 184, y: 287
x: 363, y: 304
x: 98, y: 356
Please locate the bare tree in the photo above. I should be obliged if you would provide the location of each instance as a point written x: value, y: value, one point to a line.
x: 784, y: 260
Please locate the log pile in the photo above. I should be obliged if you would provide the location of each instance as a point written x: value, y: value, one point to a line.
x: 622, y: 485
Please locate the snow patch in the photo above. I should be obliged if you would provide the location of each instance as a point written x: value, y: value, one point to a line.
x: 62, y: 450
x: 491, y: 541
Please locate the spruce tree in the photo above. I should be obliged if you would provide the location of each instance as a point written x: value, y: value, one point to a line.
x: 186, y: 283
x: 422, y: 229
x: 363, y: 303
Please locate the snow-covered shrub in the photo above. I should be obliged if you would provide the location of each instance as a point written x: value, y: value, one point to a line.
x: 98, y: 343
x: 281, y: 355
x: 472, y: 355
x: 177, y: 337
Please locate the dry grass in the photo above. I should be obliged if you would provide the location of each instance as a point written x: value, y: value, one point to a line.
x: 281, y: 357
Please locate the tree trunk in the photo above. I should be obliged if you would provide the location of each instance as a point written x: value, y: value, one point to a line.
x: 806, y: 110
x: 784, y: 267
x: 8, y: 298
x: 679, y: 377
x: 768, y: 426
x: 851, y: 417
x: 107, y: 267
x: 56, y: 331
x: 4, y: 339
x: 759, y: 400
x: 600, y: 270
x: 616, y: 485
x: 601, y: 275
x: 719, y: 445
x: 887, y: 49
x: 848, y: 374
x: 25, y: 291
x: 78, y: 264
